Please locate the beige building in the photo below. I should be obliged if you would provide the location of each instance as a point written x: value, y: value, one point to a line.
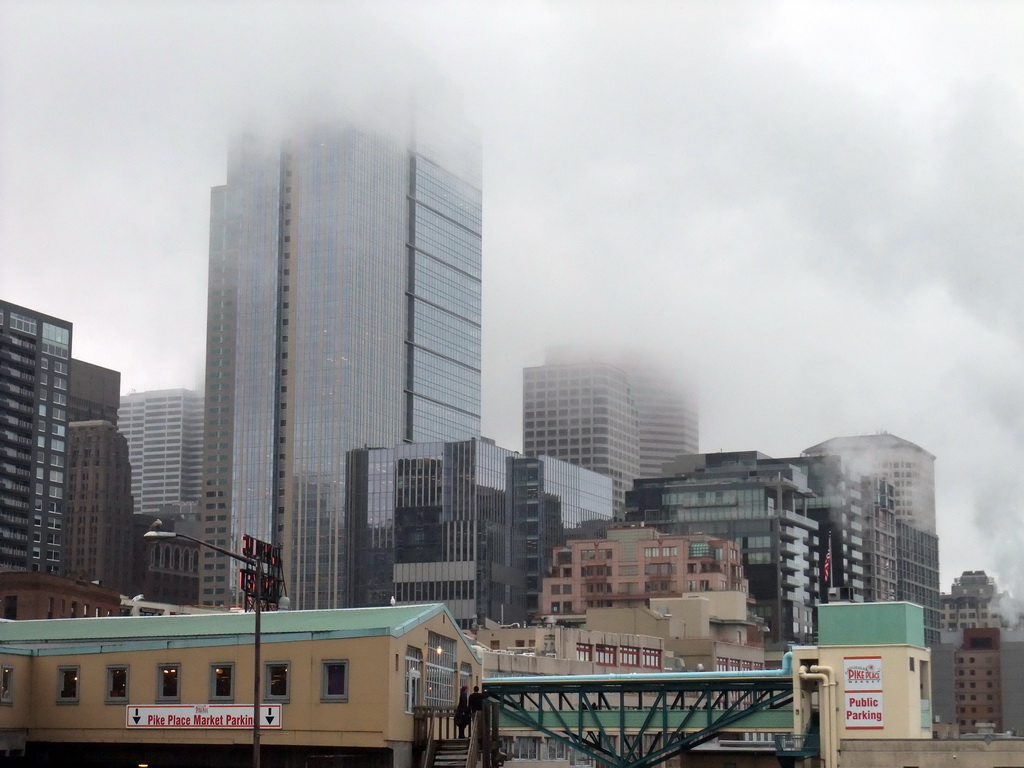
x: 558, y: 650
x: 337, y: 684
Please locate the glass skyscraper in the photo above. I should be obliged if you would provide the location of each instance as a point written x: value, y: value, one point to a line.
x: 611, y: 411
x: 467, y: 523
x: 344, y: 311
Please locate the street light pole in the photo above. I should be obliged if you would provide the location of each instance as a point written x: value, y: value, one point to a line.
x: 255, y: 564
x: 256, y: 670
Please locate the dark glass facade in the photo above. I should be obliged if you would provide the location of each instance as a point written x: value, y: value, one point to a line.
x: 465, y: 523
x: 757, y: 502
x: 35, y: 357
x: 344, y: 311
x: 918, y: 567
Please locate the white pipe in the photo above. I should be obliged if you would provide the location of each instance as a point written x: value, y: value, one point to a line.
x: 826, y: 710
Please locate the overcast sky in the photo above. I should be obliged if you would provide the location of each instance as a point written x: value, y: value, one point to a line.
x: 812, y: 209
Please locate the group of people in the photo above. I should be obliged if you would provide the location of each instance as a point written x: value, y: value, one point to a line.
x: 469, y: 704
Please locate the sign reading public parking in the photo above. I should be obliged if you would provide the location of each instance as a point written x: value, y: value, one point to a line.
x: 201, y: 716
x: 863, y: 692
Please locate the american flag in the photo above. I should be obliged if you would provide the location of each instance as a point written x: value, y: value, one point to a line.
x: 827, y: 570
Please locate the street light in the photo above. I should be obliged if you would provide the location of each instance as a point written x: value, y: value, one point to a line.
x: 154, y: 532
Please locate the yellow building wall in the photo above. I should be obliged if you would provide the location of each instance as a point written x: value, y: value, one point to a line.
x: 905, y: 683
x: 373, y: 715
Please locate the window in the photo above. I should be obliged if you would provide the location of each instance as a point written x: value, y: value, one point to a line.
x: 67, y: 685
x: 117, y: 685
x: 652, y: 658
x: 6, y: 685
x: 413, y: 676
x: 629, y: 656
x: 605, y: 655
x: 277, y: 681
x: 167, y: 682
x: 584, y: 652
x: 334, y: 681
x: 222, y: 682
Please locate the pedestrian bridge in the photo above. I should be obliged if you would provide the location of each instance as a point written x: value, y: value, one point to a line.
x: 641, y: 720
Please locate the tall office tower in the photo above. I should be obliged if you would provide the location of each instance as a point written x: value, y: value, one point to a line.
x: 35, y: 351
x: 552, y: 502
x: 666, y: 415
x: 466, y: 523
x: 760, y: 503
x: 613, y: 413
x: 974, y: 601
x: 164, y: 429
x: 583, y: 413
x: 98, y: 519
x: 917, y: 564
x: 344, y: 311
x: 881, y: 553
x: 910, y: 469
x: 94, y: 394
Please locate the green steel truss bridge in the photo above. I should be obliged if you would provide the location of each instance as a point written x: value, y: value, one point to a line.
x: 641, y: 720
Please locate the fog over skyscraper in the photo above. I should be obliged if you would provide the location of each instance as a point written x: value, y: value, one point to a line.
x: 344, y: 311
x: 612, y: 411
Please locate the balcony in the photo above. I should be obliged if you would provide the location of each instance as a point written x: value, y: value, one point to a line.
x: 19, y: 342
x: 13, y: 502
x: 798, y: 745
x: 17, y: 406
x: 13, y: 389
x: 13, y: 437
x: 21, y: 361
x: 14, y: 421
x: 12, y: 470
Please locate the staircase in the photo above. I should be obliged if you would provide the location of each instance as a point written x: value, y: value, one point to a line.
x: 451, y: 753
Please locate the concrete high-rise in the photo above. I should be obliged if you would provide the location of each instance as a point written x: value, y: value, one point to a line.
x: 344, y: 311
x: 614, y: 414
x: 164, y: 429
x: 98, y: 520
x: 910, y: 469
x: 900, y: 487
x: 35, y: 353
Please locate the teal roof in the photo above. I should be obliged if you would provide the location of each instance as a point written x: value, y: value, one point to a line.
x: 139, y: 632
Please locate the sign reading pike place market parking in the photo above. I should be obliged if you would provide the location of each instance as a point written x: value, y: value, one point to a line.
x: 200, y: 716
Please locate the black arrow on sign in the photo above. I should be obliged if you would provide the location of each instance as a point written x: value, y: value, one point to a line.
x: 270, y: 716
x: 136, y: 717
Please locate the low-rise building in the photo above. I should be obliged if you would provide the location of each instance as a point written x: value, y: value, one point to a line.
x: 634, y: 564
x: 558, y: 650
x: 338, y: 686
x: 36, y: 595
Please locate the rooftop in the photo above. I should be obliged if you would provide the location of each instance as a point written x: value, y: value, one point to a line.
x: 95, y: 634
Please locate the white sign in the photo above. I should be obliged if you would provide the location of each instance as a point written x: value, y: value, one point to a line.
x: 200, y: 716
x: 862, y: 677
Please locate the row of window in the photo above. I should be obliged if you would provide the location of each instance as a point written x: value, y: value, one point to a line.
x: 276, y: 686
x: 628, y: 656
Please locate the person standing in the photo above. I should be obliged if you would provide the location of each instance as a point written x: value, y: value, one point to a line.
x: 476, y: 701
x: 462, y: 713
